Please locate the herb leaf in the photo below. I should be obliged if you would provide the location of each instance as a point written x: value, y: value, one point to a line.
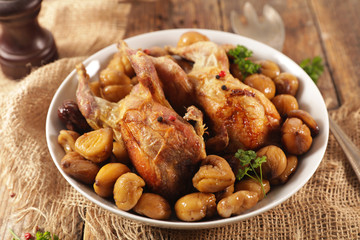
x: 242, y: 172
x: 39, y: 236
x: 249, y: 161
x: 241, y: 55
x: 245, y: 157
x: 314, y: 68
x: 258, y: 161
x: 16, y: 237
x: 46, y: 236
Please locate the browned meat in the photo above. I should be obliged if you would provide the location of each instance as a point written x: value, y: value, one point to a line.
x: 178, y: 89
x: 163, y: 147
x: 240, y: 116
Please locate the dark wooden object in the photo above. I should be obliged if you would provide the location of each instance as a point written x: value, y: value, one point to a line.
x: 23, y: 43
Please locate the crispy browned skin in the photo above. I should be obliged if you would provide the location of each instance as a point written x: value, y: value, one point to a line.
x: 165, y: 153
x: 241, y: 116
x: 177, y: 87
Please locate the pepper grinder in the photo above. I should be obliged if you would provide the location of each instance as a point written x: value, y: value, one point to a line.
x: 23, y: 42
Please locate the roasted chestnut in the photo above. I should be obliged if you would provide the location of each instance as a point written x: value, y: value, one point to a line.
x: 70, y: 115
x: 296, y: 136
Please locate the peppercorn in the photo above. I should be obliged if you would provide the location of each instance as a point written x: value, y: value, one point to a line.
x: 160, y: 119
x: 217, y: 77
x: 223, y: 87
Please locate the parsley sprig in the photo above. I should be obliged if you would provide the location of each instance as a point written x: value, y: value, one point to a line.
x: 313, y: 67
x: 249, y: 162
x: 46, y: 236
x: 241, y: 57
x: 15, y: 237
x: 39, y: 236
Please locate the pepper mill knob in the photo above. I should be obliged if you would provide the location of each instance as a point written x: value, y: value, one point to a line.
x: 23, y: 42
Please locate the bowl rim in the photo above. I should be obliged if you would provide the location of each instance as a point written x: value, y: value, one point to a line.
x: 179, y: 224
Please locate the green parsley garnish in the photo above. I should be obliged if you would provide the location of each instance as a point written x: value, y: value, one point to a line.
x: 241, y: 55
x: 314, y: 68
x: 39, y: 236
x: 46, y: 236
x: 249, y: 161
x: 15, y: 237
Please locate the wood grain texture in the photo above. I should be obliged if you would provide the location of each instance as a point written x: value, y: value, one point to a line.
x: 164, y: 14
x: 339, y: 28
x: 302, y: 41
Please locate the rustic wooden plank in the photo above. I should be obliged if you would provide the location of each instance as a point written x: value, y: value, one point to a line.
x: 146, y: 17
x: 339, y: 23
x: 302, y: 41
x: 165, y: 14
x: 196, y: 14
x: 302, y: 37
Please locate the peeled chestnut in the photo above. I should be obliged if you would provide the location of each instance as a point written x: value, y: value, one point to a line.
x: 191, y: 37
x: 195, y: 206
x: 306, y: 118
x: 214, y: 175
x: 253, y: 185
x: 291, y: 166
x: 269, y: 68
x: 286, y: 83
x: 79, y: 168
x: 284, y: 103
x: 296, y: 136
x: 153, y: 206
x: 115, y: 93
x: 121, y: 63
x: 110, y: 77
x: 262, y: 83
x: 275, y: 161
x: 237, y: 203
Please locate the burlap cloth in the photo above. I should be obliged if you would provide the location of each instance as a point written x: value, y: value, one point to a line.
x: 327, y: 207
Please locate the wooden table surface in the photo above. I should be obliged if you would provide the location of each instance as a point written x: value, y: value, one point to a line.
x: 330, y: 29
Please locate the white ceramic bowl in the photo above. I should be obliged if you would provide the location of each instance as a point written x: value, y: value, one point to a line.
x: 309, y: 99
